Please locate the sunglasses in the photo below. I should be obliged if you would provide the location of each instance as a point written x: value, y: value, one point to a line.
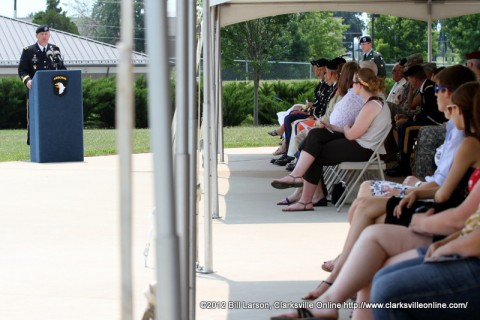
x: 439, y: 88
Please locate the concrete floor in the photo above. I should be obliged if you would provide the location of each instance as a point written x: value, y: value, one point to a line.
x: 261, y: 254
x: 59, y: 239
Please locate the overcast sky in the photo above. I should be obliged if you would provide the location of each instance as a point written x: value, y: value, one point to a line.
x: 25, y: 7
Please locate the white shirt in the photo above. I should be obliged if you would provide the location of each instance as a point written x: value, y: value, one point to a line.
x: 397, y: 94
x: 346, y: 110
x: 453, y: 139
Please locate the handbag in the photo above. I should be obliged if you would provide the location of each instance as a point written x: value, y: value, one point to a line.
x: 337, y: 190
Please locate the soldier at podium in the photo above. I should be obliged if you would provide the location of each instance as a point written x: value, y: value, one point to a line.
x: 39, y: 56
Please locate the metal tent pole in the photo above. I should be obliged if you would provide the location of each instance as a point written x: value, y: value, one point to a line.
x: 168, y: 301
x: 214, y: 118
x: 429, y: 27
x: 124, y: 122
x: 192, y: 151
x: 207, y: 140
x: 218, y: 81
x: 181, y: 150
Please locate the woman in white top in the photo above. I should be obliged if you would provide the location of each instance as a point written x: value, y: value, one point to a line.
x: 332, y: 145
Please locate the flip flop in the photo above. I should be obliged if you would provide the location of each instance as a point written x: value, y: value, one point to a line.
x: 284, y: 185
x: 310, y: 296
x: 285, y: 202
x: 301, y: 209
x: 302, y: 313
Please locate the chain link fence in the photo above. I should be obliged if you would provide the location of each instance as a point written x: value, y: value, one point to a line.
x: 277, y: 70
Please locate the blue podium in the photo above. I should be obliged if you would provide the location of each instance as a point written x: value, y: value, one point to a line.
x: 56, y: 116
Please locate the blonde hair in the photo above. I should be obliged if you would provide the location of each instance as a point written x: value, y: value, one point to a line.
x: 369, y: 80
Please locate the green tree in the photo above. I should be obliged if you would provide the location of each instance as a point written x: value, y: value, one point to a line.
x: 106, y: 17
x: 297, y: 39
x: 82, y: 10
x: 463, y: 33
x: 396, y: 37
x: 55, y: 17
x: 355, y: 27
x: 324, y: 34
x: 252, y: 40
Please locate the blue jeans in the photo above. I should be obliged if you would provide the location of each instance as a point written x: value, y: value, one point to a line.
x: 441, y: 282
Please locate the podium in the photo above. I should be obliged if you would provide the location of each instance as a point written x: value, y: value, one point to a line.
x: 56, y: 116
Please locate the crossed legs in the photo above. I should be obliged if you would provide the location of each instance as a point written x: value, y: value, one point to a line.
x: 376, y: 244
x: 362, y: 213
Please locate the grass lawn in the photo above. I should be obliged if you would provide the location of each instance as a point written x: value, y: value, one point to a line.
x: 13, y: 145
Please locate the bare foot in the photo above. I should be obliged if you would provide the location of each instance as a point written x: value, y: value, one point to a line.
x: 287, y: 201
x: 299, y: 206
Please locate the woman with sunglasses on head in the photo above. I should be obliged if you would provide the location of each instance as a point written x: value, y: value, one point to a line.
x: 454, y: 190
x: 332, y: 145
x: 380, y: 244
x: 368, y: 210
x: 445, y: 272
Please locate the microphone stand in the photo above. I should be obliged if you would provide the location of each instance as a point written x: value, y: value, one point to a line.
x: 50, y: 55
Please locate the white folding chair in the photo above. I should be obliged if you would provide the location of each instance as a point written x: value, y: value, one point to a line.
x: 351, y: 172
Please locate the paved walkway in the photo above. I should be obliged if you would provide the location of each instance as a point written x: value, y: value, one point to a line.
x: 261, y: 254
x: 59, y: 240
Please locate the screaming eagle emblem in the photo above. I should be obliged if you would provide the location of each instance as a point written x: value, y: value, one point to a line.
x: 60, y: 85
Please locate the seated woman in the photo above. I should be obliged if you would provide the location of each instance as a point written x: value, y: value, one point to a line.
x: 445, y: 273
x: 370, y: 210
x: 376, y: 245
x: 343, y: 113
x: 332, y: 145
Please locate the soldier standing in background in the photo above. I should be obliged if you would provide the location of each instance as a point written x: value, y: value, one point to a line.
x: 370, y: 54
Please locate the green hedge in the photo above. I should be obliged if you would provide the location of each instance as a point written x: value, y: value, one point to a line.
x: 99, y: 101
x: 13, y: 96
x: 273, y: 97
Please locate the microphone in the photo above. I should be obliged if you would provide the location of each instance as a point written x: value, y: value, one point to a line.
x: 57, y: 55
x: 50, y: 55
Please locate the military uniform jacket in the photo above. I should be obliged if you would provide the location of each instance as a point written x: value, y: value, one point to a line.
x: 378, y: 59
x: 33, y: 59
x: 322, y: 96
x: 429, y: 113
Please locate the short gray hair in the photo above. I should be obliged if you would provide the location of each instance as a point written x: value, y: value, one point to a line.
x: 369, y: 64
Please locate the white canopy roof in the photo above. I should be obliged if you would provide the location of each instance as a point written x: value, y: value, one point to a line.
x: 234, y: 11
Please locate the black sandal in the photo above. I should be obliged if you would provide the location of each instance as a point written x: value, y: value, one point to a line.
x: 284, y: 185
x: 302, y: 313
x: 288, y: 209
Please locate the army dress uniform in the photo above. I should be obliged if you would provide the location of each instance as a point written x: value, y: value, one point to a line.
x: 376, y: 57
x: 33, y: 59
